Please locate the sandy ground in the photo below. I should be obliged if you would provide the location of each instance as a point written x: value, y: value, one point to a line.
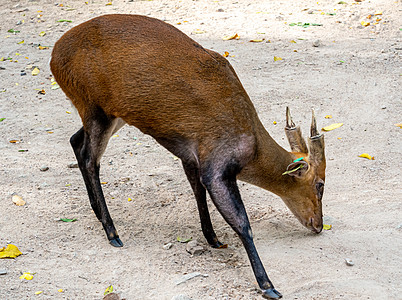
x: 354, y: 75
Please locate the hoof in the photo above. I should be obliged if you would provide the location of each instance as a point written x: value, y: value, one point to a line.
x: 271, y: 294
x: 219, y: 245
x: 116, y: 242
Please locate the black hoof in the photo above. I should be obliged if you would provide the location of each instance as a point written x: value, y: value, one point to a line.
x: 271, y: 294
x: 219, y: 245
x: 116, y: 242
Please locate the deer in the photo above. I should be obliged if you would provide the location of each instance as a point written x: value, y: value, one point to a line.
x: 123, y: 69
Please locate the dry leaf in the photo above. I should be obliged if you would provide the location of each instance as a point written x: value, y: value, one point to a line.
x: 42, y: 47
x: 15, y: 141
x: 276, y: 58
x: 332, y: 126
x: 231, y: 37
x: 399, y: 125
x: 11, y: 251
x: 378, y: 12
x: 35, y: 71
x: 226, y: 54
x: 293, y: 41
x: 366, y: 155
x: 364, y: 23
x: 326, y: 227
x: 257, y: 40
x: 27, y: 276
x: 198, y: 31
x: 17, y: 200
x: 328, y: 117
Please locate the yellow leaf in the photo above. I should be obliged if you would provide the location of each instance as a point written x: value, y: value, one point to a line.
x: 332, y: 126
x: 326, y: 227
x: 198, y: 31
x: 226, y: 54
x: 43, y: 47
x: 11, y: 251
x: 364, y: 23
x: 129, y: 199
x: 60, y: 290
x: 108, y: 290
x: 328, y: 117
x: 27, y: 276
x: 257, y: 40
x: 366, y: 155
x: 378, y: 12
x: 38, y: 292
x: 274, y: 122
x: 109, y: 3
x: 399, y: 125
x: 21, y: 42
x: 293, y: 41
x: 115, y: 136
x: 35, y: 72
x: 104, y: 182
x: 42, y: 33
x: 276, y: 58
x: 231, y: 37
x: 17, y: 200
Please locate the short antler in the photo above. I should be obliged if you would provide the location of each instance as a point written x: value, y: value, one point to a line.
x: 316, y: 144
x: 294, y: 135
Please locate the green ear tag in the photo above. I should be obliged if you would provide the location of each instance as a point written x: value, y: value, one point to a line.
x: 299, y: 159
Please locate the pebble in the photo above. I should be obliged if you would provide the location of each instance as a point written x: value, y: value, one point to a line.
x: 3, y: 272
x: 181, y: 297
x: 317, y: 43
x: 73, y: 165
x: 167, y: 246
x: 194, y: 248
x: 111, y: 296
x: 349, y: 262
x: 44, y: 168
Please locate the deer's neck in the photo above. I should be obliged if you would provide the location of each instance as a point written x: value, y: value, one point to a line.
x: 266, y: 169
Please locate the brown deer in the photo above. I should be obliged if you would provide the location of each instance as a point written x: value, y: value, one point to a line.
x: 136, y: 70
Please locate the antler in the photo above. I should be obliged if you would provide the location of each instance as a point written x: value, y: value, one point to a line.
x: 294, y: 135
x: 316, y: 144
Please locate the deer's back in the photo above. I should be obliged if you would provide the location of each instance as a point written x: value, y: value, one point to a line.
x: 152, y: 76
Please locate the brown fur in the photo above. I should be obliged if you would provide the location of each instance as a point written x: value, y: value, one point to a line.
x: 190, y: 100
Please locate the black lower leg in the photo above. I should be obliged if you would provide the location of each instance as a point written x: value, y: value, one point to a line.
x: 87, y: 149
x: 226, y: 196
x: 193, y: 177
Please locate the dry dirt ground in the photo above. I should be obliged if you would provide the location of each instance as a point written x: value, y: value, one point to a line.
x: 354, y: 75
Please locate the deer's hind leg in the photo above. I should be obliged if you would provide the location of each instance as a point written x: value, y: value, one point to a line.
x: 89, y: 144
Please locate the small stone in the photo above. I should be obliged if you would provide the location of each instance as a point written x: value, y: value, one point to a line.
x: 194, y: 249
x: 181, y: 297
x: 3, y: 272
x: 23, y: 73
x: 44, y: 168
x: 73, y: 165
x: 111, y: 296
x: 317, y: 43
x: 220, y: 10
x: 167, y: 246
x: 349, y: 262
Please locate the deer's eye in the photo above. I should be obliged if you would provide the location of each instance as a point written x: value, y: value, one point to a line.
x: 320, y: 189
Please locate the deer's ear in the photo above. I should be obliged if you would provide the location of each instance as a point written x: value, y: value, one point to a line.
x: 297, y: 169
